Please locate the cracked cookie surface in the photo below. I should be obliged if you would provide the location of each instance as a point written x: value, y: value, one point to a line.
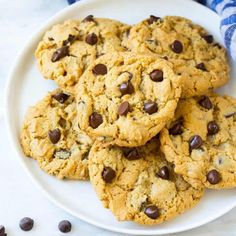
x: 51, y: 136
x: 138, y: 184
x: 126, y: 99
x: 68, y: 48
x: 200, y: 142
x: 201, y: 61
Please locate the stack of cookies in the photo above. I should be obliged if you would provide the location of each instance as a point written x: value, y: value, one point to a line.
x: 135, y: 113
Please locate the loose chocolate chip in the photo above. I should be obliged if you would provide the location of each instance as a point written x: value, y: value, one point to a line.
x: 60, y: 53
x: 26, y: 224
x: 150, y: 107
x: 131, y: 154
x: 176, y: 129
x: 108, y: 174
x: 54, y: 135
x: 64, y: 226
x: 126, y: 88
x: 213, y: 177
x: 123, y: 109
x: 88, y: 18
x: 2, y: 229
x: 152, y: 212
x: 195, y: 142
x: 61, y: 97
x: 164, y: 173
x: 70, y: 40
x: 201, y: 66
x: 95, y: 120
x: 229, y: 115
x: 62, y: 154
x: 212, y: 128
x: 153, y: 19
x: 99, y: 69
x: 205, y: 102
x: 91, y: 39
x: 156, y: 75
x: 177, y: 46
x: 208, y: 38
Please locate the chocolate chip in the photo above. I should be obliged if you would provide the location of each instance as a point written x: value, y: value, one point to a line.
x: 108, y: 174
x: 164, y: 173
x: 205, y: 102
x: 217, y: 45
x: 54, y: 135
x: 50, y: 38
x: 176, y: 129
x: 150, y: 107
x: 60, y: 53
x: 229, y: 115
x: 165, y: 58
x: 208, y: 38
x: 212, y: 128
x: 70, y: 40
x: 61, y: 97
x: 213, y: 177
x: 64, y: 226
x: 26, y: 224
x: 201, y: 66
x: 153, y: 19
x: 99, y: 69
x: 88, y: 18
x: 156, y: 75
x: 62, y: 154
x: 95, y: 120
x: 195, y: 142
x: 126, y: 88
x: 152, y: 212
x: 91, y: 39
x: 123, y: 109
x: 131, y: 154
x: 177, y: 46
x: 2, y: 229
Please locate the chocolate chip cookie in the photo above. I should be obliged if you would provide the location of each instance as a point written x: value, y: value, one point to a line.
x: 126, y: 99
x: 195, y: 55
x: 200, y: 142
x: 67, y: 49
x: 51, y: 136
x: 138, y: 184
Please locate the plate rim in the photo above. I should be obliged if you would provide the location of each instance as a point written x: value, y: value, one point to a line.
x: 10, y: 130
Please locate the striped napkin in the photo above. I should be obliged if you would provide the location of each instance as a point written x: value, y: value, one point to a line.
x: 227, y: 11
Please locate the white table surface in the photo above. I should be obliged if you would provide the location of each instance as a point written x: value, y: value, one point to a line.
x: 19, y: 197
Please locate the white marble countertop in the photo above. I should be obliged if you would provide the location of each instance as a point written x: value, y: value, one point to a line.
x: 19, y: 197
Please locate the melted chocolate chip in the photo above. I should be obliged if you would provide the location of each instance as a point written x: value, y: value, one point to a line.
x: 126, y: 88
x: 201, y: 66
x: 123, y: 109
x: 88, y: 18
x: 176, y: 129
x: 212, y: 128
x: 70, y: 40
x: 91, y: 39
x: 153, y: 19
x: 150, y: 107
x: 213, y: 177
x: 152, y: 212
x: 26, y: 224
x: 108, y: 174
x: 60, y: 53
x: 195, y: 142
x: 164, y: 173
x: 208, y: 38
x: 177, y: 46
x: 54, y: 135
x: 205, y: 102
x: 95, y: 120
x: 156, y: 75
x: 100, y: 69
x: 60, y: 97
x: 131, y: 154
x: 64, y: 226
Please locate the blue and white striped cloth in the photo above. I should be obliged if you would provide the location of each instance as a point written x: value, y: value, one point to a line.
x: 227, y: 11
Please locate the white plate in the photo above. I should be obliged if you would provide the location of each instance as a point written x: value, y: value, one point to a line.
x: 26, y: 86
